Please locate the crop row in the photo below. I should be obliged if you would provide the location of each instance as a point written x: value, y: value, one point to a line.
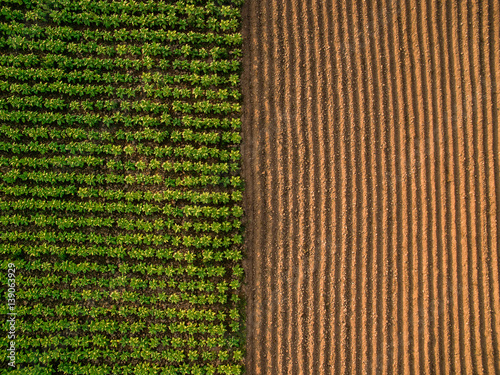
x: 20, y: 40
x: 197, y: 242
x: 181, y: 7
x: 120, y: 207
x: 111, y: 326
x: 101, y: 296
x: 126, y: 341
x: 132, y: 343
x: 205, y: 313
x: 154, y: 49
x: 143, y: 53
x: 143, y: 209
x: 131, y: 369
x: 122, y: 252
x: 118, y: 118
x: 130, y: 179
x: 188, y: 151
x: 145, y: 356
x: 49, y: 74
x: 176, y: 136
x: 81, y: 147
x: 123, y: 268
x: 55, y: 161
x: 125, y: 20
x: 82, y: 90
x: 143, y: 106
x: 146, y: 135
x: 204, y: 197
x: 147, y: 353
x: 131, y: 282
x: 93, y: 65
x: 144, y: 34
x: 40, y: 220
x: 197, y: 168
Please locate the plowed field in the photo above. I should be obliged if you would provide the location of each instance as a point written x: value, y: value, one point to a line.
x: 371, y: 161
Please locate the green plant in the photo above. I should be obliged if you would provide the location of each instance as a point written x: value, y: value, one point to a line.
x: 120, y: 125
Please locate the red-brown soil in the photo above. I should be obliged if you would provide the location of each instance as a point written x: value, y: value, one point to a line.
x: 371, y: 160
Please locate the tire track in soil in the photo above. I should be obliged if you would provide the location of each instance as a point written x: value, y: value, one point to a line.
x: 370, y: 156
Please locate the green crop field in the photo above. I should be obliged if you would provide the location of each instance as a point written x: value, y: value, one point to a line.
x: 120, y: 187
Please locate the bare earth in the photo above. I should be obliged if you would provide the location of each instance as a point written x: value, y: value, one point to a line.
x: 371, y: 160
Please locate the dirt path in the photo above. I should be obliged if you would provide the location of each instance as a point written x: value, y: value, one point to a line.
x: 371, y: 160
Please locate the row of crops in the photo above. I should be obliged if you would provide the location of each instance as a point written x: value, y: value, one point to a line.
x: 120, y: 190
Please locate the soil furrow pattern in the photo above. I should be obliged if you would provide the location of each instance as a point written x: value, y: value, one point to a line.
x: 372, y: 171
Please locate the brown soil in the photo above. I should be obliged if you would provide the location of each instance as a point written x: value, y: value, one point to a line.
x: 371, y: 160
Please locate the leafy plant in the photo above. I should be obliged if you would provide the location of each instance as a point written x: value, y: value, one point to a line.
x: 120, y: 130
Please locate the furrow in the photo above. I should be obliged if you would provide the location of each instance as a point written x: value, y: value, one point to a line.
x: 391, y: 50
x: 489, y: 79
x: 295, y: 169
x: 332, y: 201
x: 462, y: 185
x: 347, y: 351
x: 377, y: 146
x: 319, y: 181
x: 390, y: 163
x: 289, y: 217
x: 478, y: 344
x: 358, y: 261
x: 424, y: 240
x: 302, y: 171
x: 341, y: 177
x: 308, y: 148
x: 407, y: 198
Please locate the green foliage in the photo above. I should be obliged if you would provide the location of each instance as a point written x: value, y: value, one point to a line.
x: 120, y: 192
